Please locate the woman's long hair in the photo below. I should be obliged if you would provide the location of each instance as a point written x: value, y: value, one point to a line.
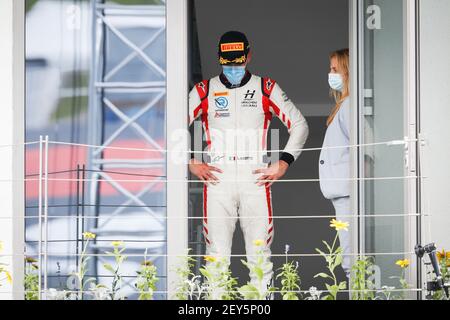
x: 343, y: 61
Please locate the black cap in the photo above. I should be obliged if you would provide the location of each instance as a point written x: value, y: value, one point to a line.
x: 233, y: 48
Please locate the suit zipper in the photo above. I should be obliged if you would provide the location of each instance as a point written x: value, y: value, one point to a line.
x: 235, y: 136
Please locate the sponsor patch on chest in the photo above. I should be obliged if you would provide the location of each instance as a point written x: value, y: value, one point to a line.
x: 221, y: 103
x: 222, y: 108
x: 249, y: 99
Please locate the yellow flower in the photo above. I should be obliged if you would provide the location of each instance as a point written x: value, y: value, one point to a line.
x: 146, y: 263
x: 30, y: 260
x: 117, y: 243
x: 403, y: 263
x: 210, y: 259
x: 443, y: 255
x: 258, y: 243
x: 339, y: 225
x: 8, y: 277
x: 1, y: 246
x: 89, y: 235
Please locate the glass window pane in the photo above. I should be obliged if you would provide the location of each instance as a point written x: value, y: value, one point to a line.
x: 111, y: 96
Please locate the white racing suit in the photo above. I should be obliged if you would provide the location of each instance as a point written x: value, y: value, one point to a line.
x: 235, y: 121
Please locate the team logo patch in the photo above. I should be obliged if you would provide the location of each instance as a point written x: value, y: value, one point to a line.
x: 222, y: 115
x: 250, y: 94
x: 249, y: 99
x: 230, y: 47
x: 221, y: 103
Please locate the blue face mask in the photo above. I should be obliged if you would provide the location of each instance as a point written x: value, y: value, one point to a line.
x: 335, y: 81
x: 234, y: 74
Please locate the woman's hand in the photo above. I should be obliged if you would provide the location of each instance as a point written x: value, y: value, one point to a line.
x: 204, y: 171
x: 273, y: 172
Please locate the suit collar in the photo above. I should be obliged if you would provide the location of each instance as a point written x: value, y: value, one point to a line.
x: 227, y: 83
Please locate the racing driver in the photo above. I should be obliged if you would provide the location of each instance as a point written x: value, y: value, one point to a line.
x: 236, y: 109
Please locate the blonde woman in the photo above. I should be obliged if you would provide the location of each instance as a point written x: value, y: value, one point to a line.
x: 334, y: 163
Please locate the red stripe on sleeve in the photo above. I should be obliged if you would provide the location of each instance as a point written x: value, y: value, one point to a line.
x: 205, y: 204
x: 267, y: 118
x: 269, y: 204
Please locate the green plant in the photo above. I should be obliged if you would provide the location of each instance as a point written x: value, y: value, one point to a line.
x: 290, y: 280
x: 386, y: 291
x: 4, y: 270
x: 259, y: 290
x: 99, y: 291
x: 31, y: 279
x: 403, y: 264
x: 361, y: 283
x: 314, y: 294
x: 146, y: 279
x: 333, y: 258
x: 219, y: 283
x: 186, y: 281
x: 82, y: 267
x: 119, y: 258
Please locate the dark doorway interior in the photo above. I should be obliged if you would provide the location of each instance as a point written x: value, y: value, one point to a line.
x: 291, y: 41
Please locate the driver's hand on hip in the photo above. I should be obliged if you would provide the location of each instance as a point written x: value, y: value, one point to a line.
x: 204, y: 171
x: 272, y: 173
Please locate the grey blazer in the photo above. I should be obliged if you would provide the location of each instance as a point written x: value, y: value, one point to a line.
x: 335, y: 163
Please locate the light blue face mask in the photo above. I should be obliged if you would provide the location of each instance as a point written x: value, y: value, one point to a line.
x: 335, y: 81
x: 234, y: 74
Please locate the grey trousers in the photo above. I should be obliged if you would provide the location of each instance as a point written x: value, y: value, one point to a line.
x: 342, y: 208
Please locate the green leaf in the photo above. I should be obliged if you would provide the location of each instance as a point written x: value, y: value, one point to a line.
x: 245, y: 263
x: 259, y: 272
x: 327, y: 245
x: 338, y: 260
x: 248, y: 291
x: 322, y: 275
x: 320, y: 252
x: 108, y: 267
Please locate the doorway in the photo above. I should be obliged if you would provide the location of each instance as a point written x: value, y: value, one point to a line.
x: 291, y: 42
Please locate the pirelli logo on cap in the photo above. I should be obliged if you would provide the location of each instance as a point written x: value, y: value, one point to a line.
x: 234, y: 46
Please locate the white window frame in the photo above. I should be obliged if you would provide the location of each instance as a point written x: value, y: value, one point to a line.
x: 412, y: 192
x: 12, y: 123
x: 177, y: 115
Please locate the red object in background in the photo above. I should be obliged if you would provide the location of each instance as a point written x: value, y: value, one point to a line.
x: 67, y: 157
